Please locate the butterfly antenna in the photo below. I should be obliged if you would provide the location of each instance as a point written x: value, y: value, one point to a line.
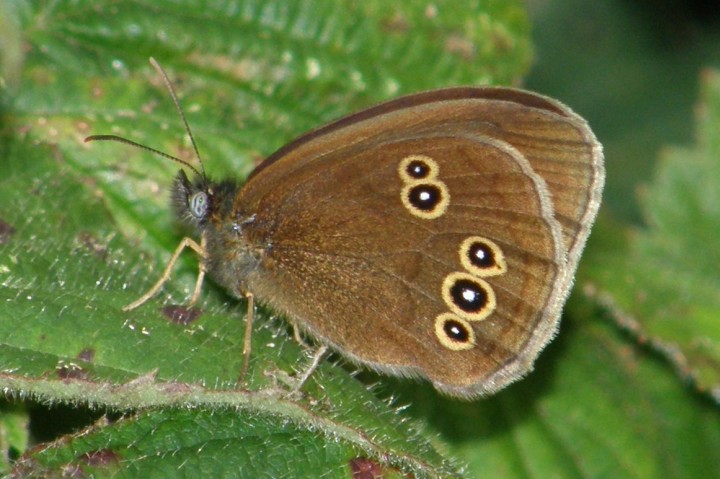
x: 170, y: 88
x: 119, y: 139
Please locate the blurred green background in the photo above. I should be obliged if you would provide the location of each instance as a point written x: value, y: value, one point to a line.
x: 632, y: 67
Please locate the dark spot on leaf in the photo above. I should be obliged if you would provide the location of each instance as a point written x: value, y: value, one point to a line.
x: 71, y: 371
x: 100, y: 458
x: 92, y: 244
x: 181, y: 314
x: 6, y: 231
x: 364, y: 468
x: 87, y: 354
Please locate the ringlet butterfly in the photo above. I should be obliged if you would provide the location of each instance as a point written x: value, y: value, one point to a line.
x: 436, y: 235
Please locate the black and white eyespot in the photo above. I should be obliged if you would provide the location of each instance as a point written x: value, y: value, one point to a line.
x: 417, y: 167
x: 198, y: 204
x: 468, y: 296
x: 482, y: 257
x: 454, y: 332
x: 427, y: 199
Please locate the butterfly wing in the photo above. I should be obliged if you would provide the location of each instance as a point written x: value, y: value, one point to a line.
x: 558, y: 144
x: 412, y: 241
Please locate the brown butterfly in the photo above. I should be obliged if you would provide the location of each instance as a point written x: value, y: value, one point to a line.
x: 436, y: 235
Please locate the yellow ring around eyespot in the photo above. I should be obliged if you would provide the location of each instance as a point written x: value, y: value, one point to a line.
x: 490, y: 303
x: 436, y: 212
x: 500, y: 266
x: 448, y: 342
x: 431, y: 164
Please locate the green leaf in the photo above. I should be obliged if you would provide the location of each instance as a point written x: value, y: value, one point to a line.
x: 216, y: 443
x: 14, y: 432
x: 85, y: 229
x: 668, y: 290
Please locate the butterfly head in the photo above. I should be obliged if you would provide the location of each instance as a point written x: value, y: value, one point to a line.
x: 201, y: 201
x: 193, y: 201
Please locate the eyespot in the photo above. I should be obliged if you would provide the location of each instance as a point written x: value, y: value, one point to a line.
x: 198, y: 204
x: 468, y: 296
x: 427, y: 200
x: 453, y: 332
x: 482, y: 257
x: 417, y: 167
x: 425, y: 197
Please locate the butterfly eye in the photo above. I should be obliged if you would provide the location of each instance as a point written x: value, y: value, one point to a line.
x: 198, y: 204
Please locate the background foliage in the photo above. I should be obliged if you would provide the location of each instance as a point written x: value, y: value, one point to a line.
x: 628, y: 389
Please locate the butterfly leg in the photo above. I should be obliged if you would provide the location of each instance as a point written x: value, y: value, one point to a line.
x: 247, y: 343
x: 298, y: 335
x: 200, y: 277
x: 185, y: 243
x: 317, y: 357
